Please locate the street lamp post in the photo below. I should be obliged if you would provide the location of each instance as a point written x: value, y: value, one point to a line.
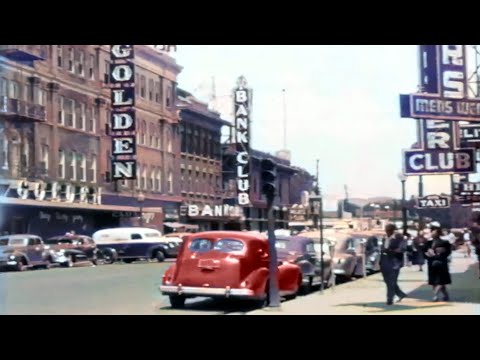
x: 141, y: 199
x: 318, y: 211
x: 403, y: 179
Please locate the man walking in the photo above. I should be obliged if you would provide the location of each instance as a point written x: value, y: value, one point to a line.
x: 391, y: 261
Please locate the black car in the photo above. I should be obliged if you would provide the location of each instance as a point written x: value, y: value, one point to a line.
x: 75, y: 249
x: 301, y: 251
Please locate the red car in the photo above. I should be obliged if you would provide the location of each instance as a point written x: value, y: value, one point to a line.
x: 226, y: 264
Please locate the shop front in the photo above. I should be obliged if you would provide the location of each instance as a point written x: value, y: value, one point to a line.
x: 213, y: 217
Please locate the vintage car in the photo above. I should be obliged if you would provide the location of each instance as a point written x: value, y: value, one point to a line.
x: 302, y: 251
x: 226, y: 264
x: 75, y: 248
x: 25, y: 251
x: 345, y: 260
x: 367, y: 246
x: 131, y: 244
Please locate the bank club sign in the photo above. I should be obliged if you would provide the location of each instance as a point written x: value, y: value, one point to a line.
x: 122, y: 117
x: 242, y: 103
x: 442, y: 103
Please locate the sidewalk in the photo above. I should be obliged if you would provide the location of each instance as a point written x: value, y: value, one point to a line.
x: 367, y: 296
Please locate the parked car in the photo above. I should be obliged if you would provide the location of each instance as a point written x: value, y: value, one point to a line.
x: 131, y: 244
x: 226, y: 264
x: 345, y: 260
x: 25, y: 251
x: 75, y: 248
x: 367, y: 245
x: 301, y: 251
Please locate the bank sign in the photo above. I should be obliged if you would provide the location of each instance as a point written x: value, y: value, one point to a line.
x: 442, y: 103
x: 122, y: 117
x: 242, y: 103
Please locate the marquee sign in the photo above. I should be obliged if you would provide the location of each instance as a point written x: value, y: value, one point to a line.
x: 208, y: 211
x: 122, y: 117
x: 433, y: 202
x: 242, y: 102
x: 443, y: 78
x: 467, y: 193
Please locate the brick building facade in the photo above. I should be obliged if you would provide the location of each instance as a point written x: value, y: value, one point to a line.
x: 54, y: 107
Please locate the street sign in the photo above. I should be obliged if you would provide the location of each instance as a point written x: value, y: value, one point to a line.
x: 433, y: 202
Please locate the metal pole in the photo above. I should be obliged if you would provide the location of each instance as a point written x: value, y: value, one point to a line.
x: 274, y: 295
x: 322, y: 262
x: 420, y: 194
x: 404, y: 209
x: 141, y: 214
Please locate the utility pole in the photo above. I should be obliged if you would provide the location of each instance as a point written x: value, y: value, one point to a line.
x: 317, y: 193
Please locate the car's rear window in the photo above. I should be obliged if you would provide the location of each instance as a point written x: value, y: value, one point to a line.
x: 17, y: 242
x: 3, y: 241
x: 223, y: 245
x: 228, y: 245
x: 201, y: 245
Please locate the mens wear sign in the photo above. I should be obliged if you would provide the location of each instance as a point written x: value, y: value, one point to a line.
x: 122, y: 116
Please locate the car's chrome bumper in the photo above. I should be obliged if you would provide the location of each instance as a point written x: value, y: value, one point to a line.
x: 339, y: 271
x: 206, y: 291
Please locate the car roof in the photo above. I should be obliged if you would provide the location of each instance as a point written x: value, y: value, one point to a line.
x: 19, y: 236
x: 240, y: 235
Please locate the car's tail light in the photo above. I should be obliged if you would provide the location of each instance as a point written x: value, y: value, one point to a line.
x: 166, y: 279
x: 244, y: 284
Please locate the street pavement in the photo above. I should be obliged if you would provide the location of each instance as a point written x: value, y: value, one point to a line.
x: 367, y: 296
x: 118, y: 289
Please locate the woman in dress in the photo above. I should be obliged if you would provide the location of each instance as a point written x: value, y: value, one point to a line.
x: 437, y: 252
x: 418, y: 250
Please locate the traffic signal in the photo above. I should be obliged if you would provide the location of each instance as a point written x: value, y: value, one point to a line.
x: 268, y: 177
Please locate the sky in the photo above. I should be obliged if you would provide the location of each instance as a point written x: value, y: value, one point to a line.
x: 342, y: 106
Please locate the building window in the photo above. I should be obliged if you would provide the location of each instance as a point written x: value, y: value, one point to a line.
x: 3, y: 87
x: 150, y: 89
x: 81, y: 64
x: 82, y: 162
x: 41, y: 97
x: 151, y: 184
x: 157, y: 92
x: 93, y: 169
x: 159, y: 180
x: 144, y: 135
x: 61, y: 112
x: 91, y: 68
x: 14, y: 92
x: 168, y: 99
x: 81, y: 116
x: 73, y: 165
x: 137, y: 180
x: 68, y: 108
x: 137, y: 88
x: 144, y: 178
x: 45, y: 159
x: 59, y: 56
x: 61, y: 164
x: 142, y: 86
x: 92, y: 120
x: 170, y: 182
x: 106, y: 74
x: 25, y: 158
x: 70, y: 60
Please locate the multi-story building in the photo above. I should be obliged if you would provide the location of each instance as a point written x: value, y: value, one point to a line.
x: 55, y: 158
x: 201, y: 162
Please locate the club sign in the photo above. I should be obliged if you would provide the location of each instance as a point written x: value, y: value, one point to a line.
x: 122, y: 119
x: 242, y: 102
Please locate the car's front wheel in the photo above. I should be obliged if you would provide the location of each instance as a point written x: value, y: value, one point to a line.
x: 160, y: 256
x: 177, y: 301
x: 21, y: 265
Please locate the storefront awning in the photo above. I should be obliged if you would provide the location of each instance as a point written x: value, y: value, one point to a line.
x: 76, y: 206
x: 176, y: 225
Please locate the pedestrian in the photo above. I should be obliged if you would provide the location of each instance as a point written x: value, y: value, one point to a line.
x: 418, y: 250
x: 449, y: 236
x: 467, y: 241
x: 438, y: 251
x: 475, y: 241
x: 391, y: 261
x: 409, y: 249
